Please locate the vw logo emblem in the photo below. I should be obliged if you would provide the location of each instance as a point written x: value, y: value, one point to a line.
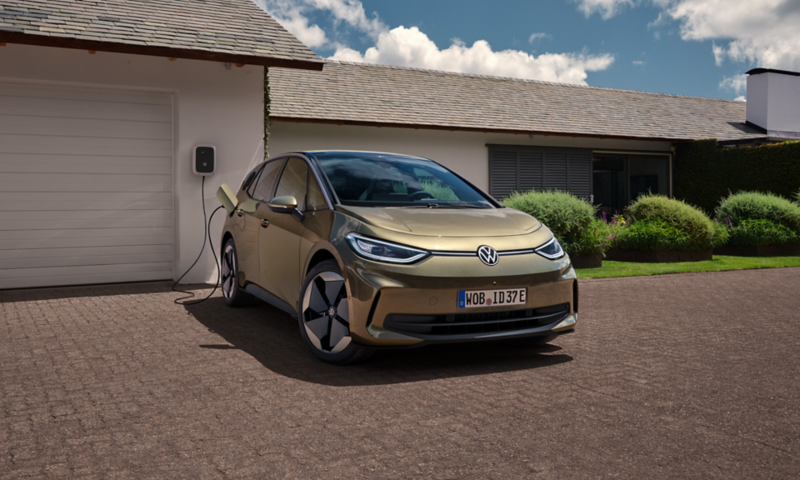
x: 488, y: 255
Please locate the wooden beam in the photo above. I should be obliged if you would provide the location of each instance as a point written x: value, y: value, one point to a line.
x: 114, y: 47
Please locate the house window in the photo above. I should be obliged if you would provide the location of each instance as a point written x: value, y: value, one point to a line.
x: 619, y: 179
x: 514, y: 168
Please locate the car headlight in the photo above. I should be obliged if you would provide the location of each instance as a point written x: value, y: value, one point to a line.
x: 384, y: 251
x: 551, y: 250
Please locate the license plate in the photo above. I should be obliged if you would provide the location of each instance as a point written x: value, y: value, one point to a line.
x: 491, y: 298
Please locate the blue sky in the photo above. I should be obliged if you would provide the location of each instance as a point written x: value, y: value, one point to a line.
x: 687, y: 47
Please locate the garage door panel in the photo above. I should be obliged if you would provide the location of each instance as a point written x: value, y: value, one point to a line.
x: 71, y: 145
x: 85, y: 215
x: 68, y: 242
x: 68, y: 114
x: 79, y: 93
x: 84, y: 196
x: 66, y: 261
x: 82, y: 233
x: 85, y: 185
x: 85, y: 205
x: 50, y: 177
x: 97, y: 164
x: 19, y: 125
x: 23, y: 273
x: 118, y: 108
x: 88, y: 251
x: 88, y: 279
x: 98, y: 222
x: 90, y: 187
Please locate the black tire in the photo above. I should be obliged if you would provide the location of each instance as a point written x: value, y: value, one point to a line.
x: 325, y: 322
x: 530, y: 341
x: 233, y: 295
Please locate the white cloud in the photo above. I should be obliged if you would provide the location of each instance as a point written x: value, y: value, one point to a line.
x: 292, y: 14
x: 412, y: 48
x: 736, y: 83
x: 638, y: 63
x: 766, y: 32
x: 740, y: 98
x: 605, y: 8
x: 538, y: 36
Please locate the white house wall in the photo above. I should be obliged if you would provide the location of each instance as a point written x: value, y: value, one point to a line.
x: 464, y: 152
x: 212, y: 105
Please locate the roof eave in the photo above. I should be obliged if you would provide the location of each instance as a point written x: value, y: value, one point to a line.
x: 454, y: 128
x: 155, y: 51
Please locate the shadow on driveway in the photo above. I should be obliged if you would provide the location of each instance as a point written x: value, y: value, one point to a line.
x: 273, y: 338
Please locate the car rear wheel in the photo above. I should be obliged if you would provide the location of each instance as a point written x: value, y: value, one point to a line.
x: 233, y: 295
x: 325, y: 316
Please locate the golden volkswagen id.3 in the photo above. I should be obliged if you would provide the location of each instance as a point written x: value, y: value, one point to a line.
x: 372, y: 250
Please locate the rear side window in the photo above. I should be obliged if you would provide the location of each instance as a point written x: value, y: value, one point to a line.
x: 293, y: 181
x: 266, y: 180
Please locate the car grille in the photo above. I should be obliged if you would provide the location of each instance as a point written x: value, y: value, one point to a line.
x: 476, y: 323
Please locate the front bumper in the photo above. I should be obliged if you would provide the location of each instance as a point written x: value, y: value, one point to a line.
x: 415, y: 305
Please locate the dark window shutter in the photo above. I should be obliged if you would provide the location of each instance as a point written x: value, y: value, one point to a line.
x: 531, y: 171
x: 504, y: 174
x: 555, y: 171
x: 580, y: 174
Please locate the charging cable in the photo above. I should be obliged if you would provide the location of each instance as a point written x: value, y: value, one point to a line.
x: 206, y: 236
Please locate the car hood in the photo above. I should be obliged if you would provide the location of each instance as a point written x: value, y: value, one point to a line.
x: 439, y: 222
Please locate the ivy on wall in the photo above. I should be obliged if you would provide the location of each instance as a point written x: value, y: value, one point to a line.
x: 704, y: 173
x: 267, y: 102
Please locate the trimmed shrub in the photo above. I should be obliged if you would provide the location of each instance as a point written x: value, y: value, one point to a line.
x: 760, y: 233
x: 759, y: 206
x: 569, y: 218
x: 663, y: 224
x: 703, y: 172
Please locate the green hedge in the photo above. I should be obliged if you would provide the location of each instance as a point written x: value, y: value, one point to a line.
x: 759, y: 233
x: 703, y: 172
x: 759, y: 206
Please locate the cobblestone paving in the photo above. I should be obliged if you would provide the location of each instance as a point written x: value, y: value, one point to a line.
x: 680, y: 376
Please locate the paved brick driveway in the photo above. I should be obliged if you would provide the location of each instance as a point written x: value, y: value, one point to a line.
x: 669, y: 376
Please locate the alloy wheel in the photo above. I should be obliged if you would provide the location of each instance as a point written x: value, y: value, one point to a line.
x: 228, y: 271
x: 326, y: 313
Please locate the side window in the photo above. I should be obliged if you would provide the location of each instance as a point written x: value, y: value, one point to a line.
x: 266, y: 181
x: 316, y: 199
x: 293, y: 181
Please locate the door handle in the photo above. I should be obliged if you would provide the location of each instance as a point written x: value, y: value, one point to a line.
x: 265, y: 223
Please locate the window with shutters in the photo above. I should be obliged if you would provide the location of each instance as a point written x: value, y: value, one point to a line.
x: 514, y: 168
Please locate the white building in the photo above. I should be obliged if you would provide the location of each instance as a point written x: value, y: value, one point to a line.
x: 101, y: 104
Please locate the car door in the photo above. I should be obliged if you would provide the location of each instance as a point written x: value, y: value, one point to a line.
x: 279, y: 242
x: 247, y: 223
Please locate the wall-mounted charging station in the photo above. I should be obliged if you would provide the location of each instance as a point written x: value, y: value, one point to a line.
x: 204, y: 160
x: 204, y: 163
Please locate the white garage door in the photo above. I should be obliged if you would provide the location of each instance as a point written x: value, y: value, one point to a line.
x: 85, y: 186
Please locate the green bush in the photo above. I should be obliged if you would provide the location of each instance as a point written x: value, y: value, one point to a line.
x: 652, y: 234
x: 759, y: 206
x: 759, y: 233
x: 663, y: 224
x: 569, y: 218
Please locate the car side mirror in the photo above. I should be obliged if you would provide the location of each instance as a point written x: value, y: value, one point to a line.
x: 286, y: 204
x: 227, y: 198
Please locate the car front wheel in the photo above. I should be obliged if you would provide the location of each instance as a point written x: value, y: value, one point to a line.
x: 325, y: 316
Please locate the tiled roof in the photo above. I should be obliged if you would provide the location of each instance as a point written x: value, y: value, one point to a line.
x: 208, y: 29
x: 372, y: 94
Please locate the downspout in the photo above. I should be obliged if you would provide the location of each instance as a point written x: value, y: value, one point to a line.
x: 267, y: 102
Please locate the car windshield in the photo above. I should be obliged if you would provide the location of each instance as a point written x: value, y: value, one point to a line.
x: 385, y: 180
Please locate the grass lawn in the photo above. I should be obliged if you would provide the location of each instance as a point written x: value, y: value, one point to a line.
x: 718, y: 264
